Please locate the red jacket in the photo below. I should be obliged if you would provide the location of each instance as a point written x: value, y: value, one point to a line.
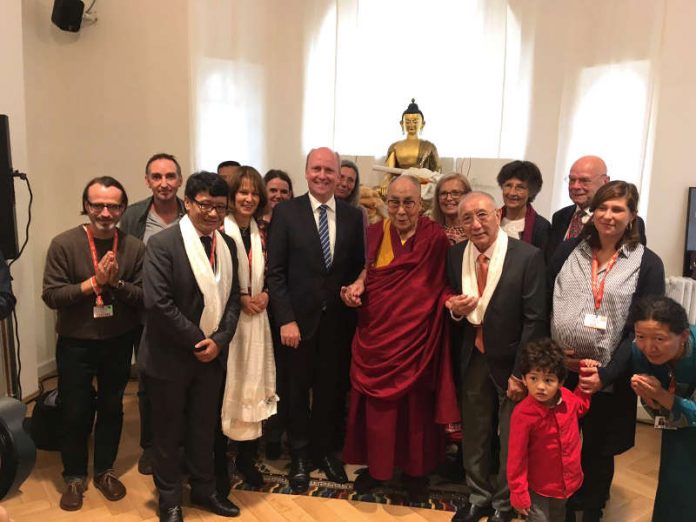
x: 544, y: 448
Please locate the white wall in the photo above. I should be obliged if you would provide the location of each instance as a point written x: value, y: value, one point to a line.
x: 12, y: 103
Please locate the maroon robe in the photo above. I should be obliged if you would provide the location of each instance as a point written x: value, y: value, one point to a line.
x: 402, y: 386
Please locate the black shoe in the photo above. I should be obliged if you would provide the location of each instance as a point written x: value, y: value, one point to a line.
x: 365, y: 483
x: 471, y: 513
x: 333, y: 469
x: 501, y: 516
x: 247, y: 469
x: 217, y: 504
x: 416, y: 488
x: 274, y: 450
x: 145, y: 462
x: 591, y: 515
x: 172, y: 514
x: 298, y: 476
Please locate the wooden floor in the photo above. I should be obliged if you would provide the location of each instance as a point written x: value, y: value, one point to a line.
x: 631, y: 496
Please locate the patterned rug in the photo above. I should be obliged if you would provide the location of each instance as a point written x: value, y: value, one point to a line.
x: 442, y: 494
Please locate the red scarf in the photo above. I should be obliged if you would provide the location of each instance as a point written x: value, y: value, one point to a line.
x: 529, y: 220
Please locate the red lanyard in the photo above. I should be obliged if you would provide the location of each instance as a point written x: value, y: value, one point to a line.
x: 212, y: 252
x: 95, y: 261
x: 597, y: 287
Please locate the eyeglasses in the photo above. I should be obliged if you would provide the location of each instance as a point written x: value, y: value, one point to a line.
x: 208, y: 207
x: 99, y: 207
x: 481, y: 216
x: 456, y: 194
x: 394, y: 204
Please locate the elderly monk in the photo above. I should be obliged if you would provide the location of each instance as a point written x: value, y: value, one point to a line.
x: 400, y: 371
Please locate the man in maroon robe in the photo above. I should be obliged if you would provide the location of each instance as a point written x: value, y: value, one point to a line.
x: 402, y: 388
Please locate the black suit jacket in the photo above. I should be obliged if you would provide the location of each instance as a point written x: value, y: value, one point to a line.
x: 173, y: 308
x: 299, y: 284
x: 560, y: 221
x: 516, y: 313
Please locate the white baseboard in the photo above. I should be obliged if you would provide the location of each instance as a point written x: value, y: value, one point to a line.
x: 46, y: 367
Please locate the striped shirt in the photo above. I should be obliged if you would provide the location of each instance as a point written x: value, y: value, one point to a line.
x: 573, y: 299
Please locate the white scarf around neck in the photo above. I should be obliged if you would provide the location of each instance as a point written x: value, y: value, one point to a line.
x: 495, y: 269
x: 214, y: 285
x: 250, y: 392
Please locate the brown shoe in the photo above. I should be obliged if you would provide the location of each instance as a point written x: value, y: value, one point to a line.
x: 110, y: 486
x: 71, y: 500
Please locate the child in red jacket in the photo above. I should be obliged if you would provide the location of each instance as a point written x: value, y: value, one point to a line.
x: 543, y: 468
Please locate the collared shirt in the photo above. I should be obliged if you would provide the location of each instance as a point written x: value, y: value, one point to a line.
x: 585, y: 218
x: 544, y: 448
x: 573, y: 299
x: 330, y: 214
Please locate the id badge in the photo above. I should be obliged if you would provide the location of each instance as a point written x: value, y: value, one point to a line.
x: 598, y: 322
x: 661, y: 423
x: 100, y: 312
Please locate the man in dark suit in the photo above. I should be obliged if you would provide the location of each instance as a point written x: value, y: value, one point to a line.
x: 315, y: 247
x: 587, y: 174
x: 500, y: 306
x: 191, y: 294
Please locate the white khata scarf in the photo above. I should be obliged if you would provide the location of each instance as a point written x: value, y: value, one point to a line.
x: 215, y: 286
x: 495, y: 269
x: 250, y: 390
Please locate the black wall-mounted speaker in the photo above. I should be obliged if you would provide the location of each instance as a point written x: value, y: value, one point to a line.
x: 8, y: 221
x: 67, y: 14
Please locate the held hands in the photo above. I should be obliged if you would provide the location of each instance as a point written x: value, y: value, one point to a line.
x: 210, y: 350
x: 254, y: 305
x: 290, y: 335
x: 351, y: 294
x: 589, y: 376
x: 516, y: 389
x: 461, y: 305
x: 107, y: 270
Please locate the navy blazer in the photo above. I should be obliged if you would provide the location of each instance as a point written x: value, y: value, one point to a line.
x: 173, y: 308
x: 516, y: 313
x: 300, y: 287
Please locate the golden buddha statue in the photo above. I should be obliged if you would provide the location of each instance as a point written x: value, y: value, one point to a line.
x: 413, y: 151
x: 418, y: 157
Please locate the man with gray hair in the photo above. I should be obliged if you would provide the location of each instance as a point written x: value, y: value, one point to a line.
x: 315, y: 247
x: 500, y: 306
x: 402, y: 386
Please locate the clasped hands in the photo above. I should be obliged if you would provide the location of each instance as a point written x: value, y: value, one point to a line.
x: 107, y: 270
x: 256, y: 304
x: 649, y: 388
x: 588, y: 369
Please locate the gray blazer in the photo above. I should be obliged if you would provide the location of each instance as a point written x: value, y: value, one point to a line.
x: 173, y: 308
x: 516, y: 313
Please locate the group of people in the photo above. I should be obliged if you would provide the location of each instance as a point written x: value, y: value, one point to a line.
x: 254, y: 312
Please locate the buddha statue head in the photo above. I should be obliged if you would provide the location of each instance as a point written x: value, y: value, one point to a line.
x: 412, y: 120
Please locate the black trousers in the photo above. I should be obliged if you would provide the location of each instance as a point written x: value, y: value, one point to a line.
x: 319, y: 366
x: 185, y: 409
x: 79, y: 362
x: 276, y: 425
x: 143, y: 401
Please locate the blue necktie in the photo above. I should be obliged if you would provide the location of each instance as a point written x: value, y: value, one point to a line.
x: 324, y: 236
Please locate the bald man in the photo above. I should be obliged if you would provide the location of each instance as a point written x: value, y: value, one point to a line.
x: 315, y: 247
x: 587, y: 174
